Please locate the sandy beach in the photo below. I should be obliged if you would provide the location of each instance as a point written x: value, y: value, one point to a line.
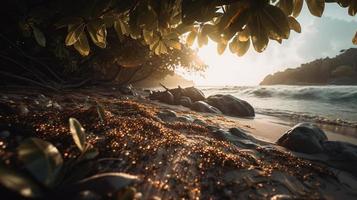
x: 173, y: 158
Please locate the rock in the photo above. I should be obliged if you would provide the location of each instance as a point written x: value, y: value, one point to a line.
x: 194, y: 94
x: 185, y: 119
x: 231, y: 105
x: 240, y: 133
x: 167, y: 115
x: 126, y: 90
x: 185, y: 101
x: 342, y: 155
x: 4, y: 134
x: 202, y: 106
x: 165, y: 97
x: 6, y: 109
x: 199, y: 122
x: 304, y: 138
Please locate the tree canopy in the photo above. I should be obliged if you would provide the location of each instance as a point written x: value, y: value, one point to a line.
x: 160, y: 23
x: 78, y: 32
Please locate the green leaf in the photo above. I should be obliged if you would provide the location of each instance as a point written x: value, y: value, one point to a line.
x: 352, y: 10
x: 19, y: 183
x: 101, y: 112
x: 354, y: 40
x: 287, y: 6
x: 148, y: 36
x: 294, y: 24
x: 275, y: 23
x: 98, y: 33
x: 221, y: 47
x: 297, y: 7
x: 74, y: 31
x: 78, y: 134
x: 239, y: 47
x: 82, y: 45
x: 191, y: 38
x: 242, y: 47
x: 174, y: 44
x: 316, y: 7
x: 160, y: 48
x: 42, y: 159
x: 39, y: 36
x: 106, y: 182
x: 258, y: 35
x: 202, y: 39
x: 244, y: 35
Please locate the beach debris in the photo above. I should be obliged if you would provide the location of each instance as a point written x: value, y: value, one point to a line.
x: 165, y: 97
x: 303, y: 138
x: 127, y: 90
x: 192, y: 93
x: 185, y: 101
x: 167, y: 115
x: 230, y: 105
x: 201, y: 106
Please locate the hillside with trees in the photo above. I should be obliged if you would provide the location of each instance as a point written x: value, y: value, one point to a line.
x: 340, y: 70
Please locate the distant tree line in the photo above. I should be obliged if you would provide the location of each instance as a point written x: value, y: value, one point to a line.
x: 341, y: 69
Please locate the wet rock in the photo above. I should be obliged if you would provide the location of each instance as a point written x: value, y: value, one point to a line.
x: 231, y: 105
x: 240, y: 133
x: 127, y: 90
x: 185, y: 119
x: 199, y: 122
x: 185, y: 101
x: 165, y: 97
x: 5, y: 134
x: 303, y: 138
x: 6, y: 109
x: 194, y: 94
x: 342, y: 155
x: 202, y: 106
x: 167, y: 115
x: 248, y: 142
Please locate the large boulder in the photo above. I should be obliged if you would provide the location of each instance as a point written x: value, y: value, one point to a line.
x: 304, y: 138
x: 194, y: 94
x: 201, y: 106
x: 231, y: 105
x: 342, y: 155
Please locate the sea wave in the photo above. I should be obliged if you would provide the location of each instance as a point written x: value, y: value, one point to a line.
x: 314, y: 93
x: 324, y: 104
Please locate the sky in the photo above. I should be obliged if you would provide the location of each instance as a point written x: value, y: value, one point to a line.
x: 320, y: 37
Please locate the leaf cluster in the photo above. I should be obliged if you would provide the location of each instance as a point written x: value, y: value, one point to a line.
x: 162, y: 24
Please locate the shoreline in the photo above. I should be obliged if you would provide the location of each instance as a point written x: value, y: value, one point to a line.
x: 259, y: 125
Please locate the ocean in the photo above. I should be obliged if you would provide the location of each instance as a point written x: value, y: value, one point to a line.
x: 326, y: 105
